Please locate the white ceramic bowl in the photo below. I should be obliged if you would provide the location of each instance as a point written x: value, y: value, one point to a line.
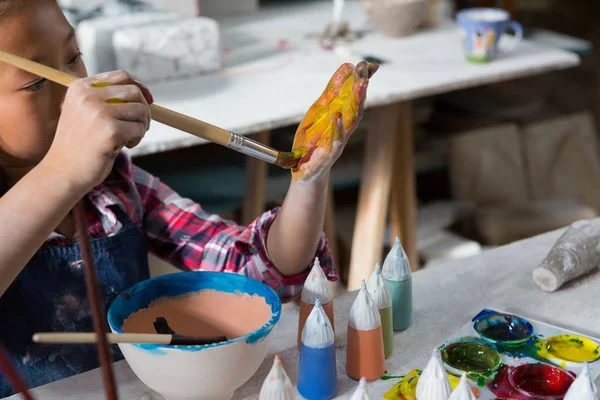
x: 209, y: 372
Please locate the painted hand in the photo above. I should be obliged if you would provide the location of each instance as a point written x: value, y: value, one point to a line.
x: 328, y: 124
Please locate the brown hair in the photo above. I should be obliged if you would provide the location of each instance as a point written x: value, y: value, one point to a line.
x: 5, y: 5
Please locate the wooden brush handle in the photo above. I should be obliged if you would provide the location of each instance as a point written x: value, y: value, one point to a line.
x: 35, y: 68
x: 132, y: 338
x: 190, y: 125
x: 12, y: 375
x: 160, y: 114
x: 93, y: 294
x: 78, y: 338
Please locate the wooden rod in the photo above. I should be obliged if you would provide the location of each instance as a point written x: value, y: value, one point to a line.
x: 13, y: 377
x: 190, y: 125
x: 93, y: 294
x: 131, y: 338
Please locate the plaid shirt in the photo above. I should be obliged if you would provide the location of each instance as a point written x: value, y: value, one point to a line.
x: 180, y: 232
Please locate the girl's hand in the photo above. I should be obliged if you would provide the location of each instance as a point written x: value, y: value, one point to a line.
x: 328, y: 124
x: 100, y: 115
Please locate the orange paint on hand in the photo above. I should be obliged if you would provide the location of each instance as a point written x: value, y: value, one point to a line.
x: 343, y: 98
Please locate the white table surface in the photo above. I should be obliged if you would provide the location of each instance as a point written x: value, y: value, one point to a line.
x: 446, y: 296
x: 277, y: 88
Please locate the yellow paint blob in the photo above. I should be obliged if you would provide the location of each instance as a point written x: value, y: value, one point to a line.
x: 406, y: 388
x: 572, y: 348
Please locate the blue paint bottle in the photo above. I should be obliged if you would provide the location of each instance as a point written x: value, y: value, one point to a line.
x: 397, y: 275
x: 317, y: 374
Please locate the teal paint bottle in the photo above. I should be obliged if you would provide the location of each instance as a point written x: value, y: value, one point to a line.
x: 396, y: 273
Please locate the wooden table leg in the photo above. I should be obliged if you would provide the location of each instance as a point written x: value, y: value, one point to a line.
x: 256, y: 183
x: 403, y: 200
x: 374, y: 194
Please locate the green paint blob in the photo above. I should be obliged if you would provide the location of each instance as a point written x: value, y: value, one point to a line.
x: 481, y: 381
x: 388, y: 377
x: 471, y: 357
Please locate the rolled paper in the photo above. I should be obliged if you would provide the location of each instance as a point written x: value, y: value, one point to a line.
x: 583, y: 387
x: 463, y: 391
x: 361, y: 392
x: 317, y: 378
x: 575, y: 253
x: 277, y: 384
x: 365, y: 357
x: 316, y: 285
x: 434, y: 383
x: 380, y: 293
x: 397, y: 275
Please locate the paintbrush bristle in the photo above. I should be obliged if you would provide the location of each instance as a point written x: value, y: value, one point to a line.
x: 287, y: 160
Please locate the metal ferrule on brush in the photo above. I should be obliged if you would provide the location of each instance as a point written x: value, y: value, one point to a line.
x: 252, y: 148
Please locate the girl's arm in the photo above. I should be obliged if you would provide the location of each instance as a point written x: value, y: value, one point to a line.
x: 295, y: 234
x: 320, y: 140
x: 29, y: 212
x: 180, y: 232
x: 88, y: 138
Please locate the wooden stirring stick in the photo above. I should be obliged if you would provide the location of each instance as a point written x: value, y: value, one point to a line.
x: 131, y: 338
x: 93, y: 294
x: 204, y: 130
x: 13, y: 377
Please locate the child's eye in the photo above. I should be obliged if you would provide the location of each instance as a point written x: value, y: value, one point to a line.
x: 36, y: 86
x: 76, y: 58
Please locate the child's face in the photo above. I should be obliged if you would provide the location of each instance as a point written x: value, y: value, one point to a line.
x: 29, y: 106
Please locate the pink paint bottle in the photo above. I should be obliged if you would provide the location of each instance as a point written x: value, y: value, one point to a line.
x: 316, y: 285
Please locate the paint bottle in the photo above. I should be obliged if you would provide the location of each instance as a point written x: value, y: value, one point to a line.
x: 317, y: 378
x: 397, y: 275
x: 316, y: 285
x: 463, y: 390
x: 433, y: 383
x: 277, y: 384
x: 365, y: 357
x: 583, y: 387
x: 380, y: 293
x: 361, y: 392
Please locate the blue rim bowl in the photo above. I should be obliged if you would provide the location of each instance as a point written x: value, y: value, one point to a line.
x: 143, y: 293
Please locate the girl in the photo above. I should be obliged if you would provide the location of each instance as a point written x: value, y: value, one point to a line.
x: 58, y: 146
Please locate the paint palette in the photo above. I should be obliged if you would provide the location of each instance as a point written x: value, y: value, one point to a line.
x: 507, y: 356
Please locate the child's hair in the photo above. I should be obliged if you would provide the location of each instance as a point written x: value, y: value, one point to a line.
x: 5, y: 5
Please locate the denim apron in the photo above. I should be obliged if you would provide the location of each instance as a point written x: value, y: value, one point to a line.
x: 49, y: 296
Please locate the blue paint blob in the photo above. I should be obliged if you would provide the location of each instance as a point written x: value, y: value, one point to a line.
x: 142, y: 294
x: 483, y: 313
x: 317, y: 375
x: 505, y: 329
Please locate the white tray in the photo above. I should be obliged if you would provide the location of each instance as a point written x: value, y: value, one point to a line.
x: 540, y: 329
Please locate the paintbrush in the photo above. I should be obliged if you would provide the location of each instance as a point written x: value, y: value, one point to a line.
x: 93, y: 295
x: 204, y: 130
x: 131, y: 338
x: 12, y: 376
